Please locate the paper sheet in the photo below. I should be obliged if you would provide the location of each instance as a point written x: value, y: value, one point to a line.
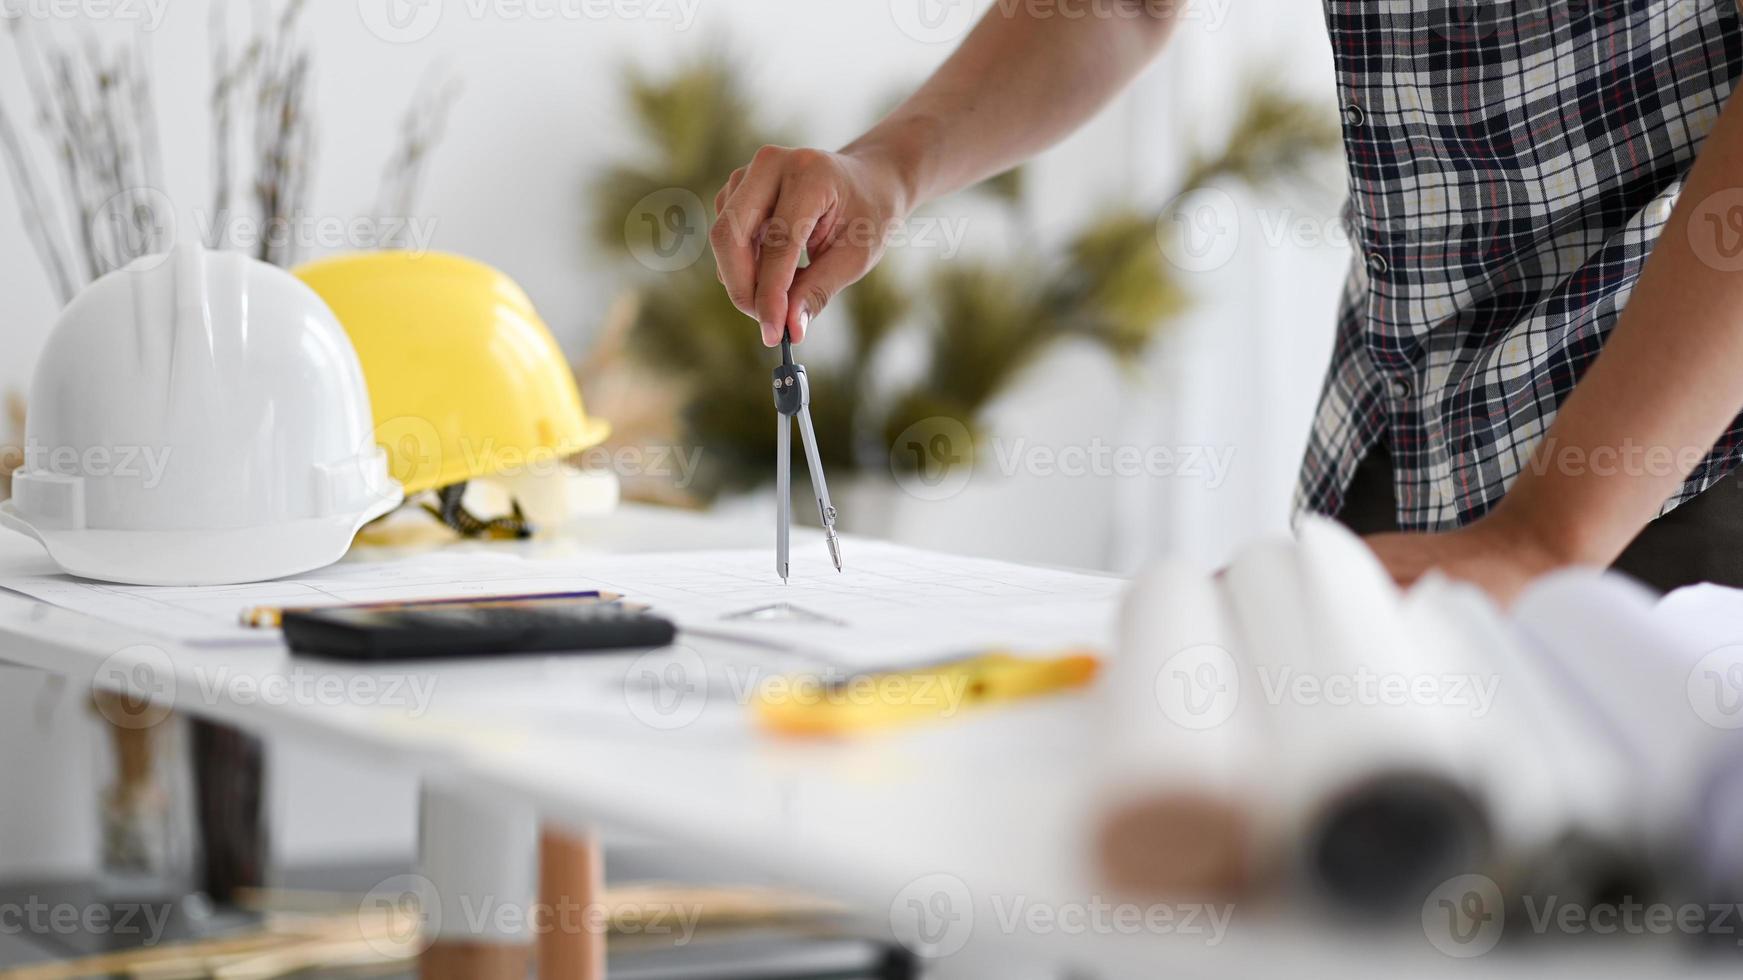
x: 1708, y: 614
x: 891, y: 606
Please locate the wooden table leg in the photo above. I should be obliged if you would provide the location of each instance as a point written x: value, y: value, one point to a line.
x: 571, y: 933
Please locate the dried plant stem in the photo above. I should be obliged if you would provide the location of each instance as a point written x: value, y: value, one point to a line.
x: 37, y: 220
x: 98, y: 118
x: 273, y: 73
x: 223, y: 82
x: 96, y: 114
x: 421, y: 129
x: 145, y: 114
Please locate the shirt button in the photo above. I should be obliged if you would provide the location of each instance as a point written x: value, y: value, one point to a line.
x: 1377, y: 263
x: 1354, y: 115
x: 1401, y: 388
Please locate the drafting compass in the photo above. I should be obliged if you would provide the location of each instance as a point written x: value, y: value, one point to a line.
x: 793, y: 400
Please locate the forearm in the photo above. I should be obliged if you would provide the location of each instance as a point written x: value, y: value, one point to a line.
x: 1661, y: 393
x: 1017, y: 85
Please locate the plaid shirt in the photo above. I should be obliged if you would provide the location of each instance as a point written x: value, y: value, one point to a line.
x: 1511, y: 163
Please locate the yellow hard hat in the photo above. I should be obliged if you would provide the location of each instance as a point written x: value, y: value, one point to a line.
x: 466, y: 381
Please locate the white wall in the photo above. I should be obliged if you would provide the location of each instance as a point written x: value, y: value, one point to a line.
x: 540, y: 113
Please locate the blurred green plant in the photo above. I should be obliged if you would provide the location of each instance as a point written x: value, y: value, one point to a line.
x: 985, y: 321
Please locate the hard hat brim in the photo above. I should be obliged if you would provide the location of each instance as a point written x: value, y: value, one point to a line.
x: 208, y: 557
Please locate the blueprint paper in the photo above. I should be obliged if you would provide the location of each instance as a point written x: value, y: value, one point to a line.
x: 895, y: 605
x: 1711, y: 615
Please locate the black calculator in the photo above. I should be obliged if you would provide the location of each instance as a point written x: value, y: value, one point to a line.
x: 428, y: 631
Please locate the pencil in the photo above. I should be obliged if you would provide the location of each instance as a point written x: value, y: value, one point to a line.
x: 272, y: 617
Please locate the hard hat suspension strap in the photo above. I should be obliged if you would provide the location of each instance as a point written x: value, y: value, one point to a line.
x: 452, y: 512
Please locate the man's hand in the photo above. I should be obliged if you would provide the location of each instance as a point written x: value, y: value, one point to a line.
x: 839, y: 207
x: 1018, y: 84
x: 1489, y: 555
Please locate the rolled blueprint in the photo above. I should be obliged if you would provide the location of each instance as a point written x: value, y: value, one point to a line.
x: 1643, y: 680
x: 1720, y: 840
x: 1184, y: 754
x: 1564, y: 806
x: 1710, y: 618
x: 1377, y: 783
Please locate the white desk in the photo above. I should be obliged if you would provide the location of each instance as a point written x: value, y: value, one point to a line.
x: 982, y: 811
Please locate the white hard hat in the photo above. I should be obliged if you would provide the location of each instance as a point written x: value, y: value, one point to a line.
x: 198, y: 418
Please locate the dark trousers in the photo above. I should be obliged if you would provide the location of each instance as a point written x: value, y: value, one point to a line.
x: 1700, y: 541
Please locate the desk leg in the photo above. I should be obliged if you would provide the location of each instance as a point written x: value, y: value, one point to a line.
x: 477, y: 856
x: 571, y: 938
